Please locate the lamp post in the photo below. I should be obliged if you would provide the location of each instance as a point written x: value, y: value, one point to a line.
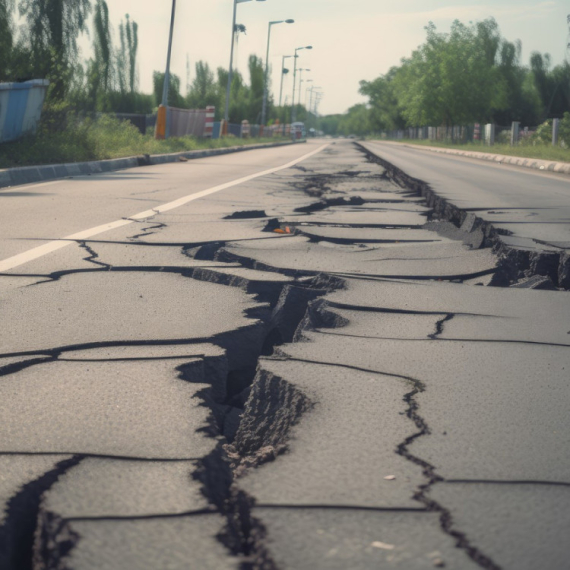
x: 307, y: 90
x: 316, y: 89
x: 162, y: 118
x: 282, y: 74
x: 228, y: 89
x: 265, y: 82
x: 301, y: 83
x: 293, y: 112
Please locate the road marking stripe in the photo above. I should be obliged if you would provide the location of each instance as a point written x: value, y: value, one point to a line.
x: 55, y: 245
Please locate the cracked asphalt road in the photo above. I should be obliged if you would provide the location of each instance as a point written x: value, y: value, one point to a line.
x: 310, y: 365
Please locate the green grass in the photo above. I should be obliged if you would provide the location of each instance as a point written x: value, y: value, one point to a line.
x: 542, y: 152
x: 100, y: 140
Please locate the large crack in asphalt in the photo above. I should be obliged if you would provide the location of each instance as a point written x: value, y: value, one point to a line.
x: 515, y: 264
x: 17, y: 533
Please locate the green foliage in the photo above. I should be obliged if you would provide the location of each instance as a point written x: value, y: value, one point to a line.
x: 469, y: 75
x: 6, y: 37
x: 385, y: 113
x: 51, y: 37
x: 175, y: 99
x: 543, y: 134
x: 127, y: 56
x: 204, y: 90
x: 452, y: 79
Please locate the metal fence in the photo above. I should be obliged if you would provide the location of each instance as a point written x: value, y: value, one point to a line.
x: 488, y: 134
x: 246, y: 130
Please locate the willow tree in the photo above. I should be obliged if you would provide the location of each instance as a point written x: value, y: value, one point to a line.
x: 52, y: 32
x: 100, y: 68
x: 127, y: 55
x: 6, y: 37
x: 103, y: 44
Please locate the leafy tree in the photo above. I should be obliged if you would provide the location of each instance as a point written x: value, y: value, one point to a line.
x: 52, y: 32
x: 553, y: 86
x: 452, y: 79
x: 256, y: 82
x: 100, y: 68
x: 204, y: 90
x: 175, y: 99
x: 356, y: 121
x: 385, y: 112
x: 127, y: 55
x: 6, y: 37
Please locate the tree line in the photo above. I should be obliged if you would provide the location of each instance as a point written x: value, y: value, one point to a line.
x: 469, y: 75
x: 45, y: 46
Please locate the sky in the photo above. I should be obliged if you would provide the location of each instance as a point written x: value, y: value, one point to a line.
x: 352, y: 39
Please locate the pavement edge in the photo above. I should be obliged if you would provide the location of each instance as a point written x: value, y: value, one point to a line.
x: 515, y: 263
x: 44, y: 173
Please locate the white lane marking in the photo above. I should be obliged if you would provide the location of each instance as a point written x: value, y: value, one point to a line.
x: 52, y: 246
x: 31, y: 185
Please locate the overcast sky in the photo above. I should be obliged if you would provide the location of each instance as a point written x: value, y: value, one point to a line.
x: 352, y: 39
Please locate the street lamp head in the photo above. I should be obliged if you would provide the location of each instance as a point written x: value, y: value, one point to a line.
x: 308, y: 47
x: 289, y: 21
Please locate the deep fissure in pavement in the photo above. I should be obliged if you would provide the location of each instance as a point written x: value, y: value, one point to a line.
x: 515, y: 265
x: 17, y: 533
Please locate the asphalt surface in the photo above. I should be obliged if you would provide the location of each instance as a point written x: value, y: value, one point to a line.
x: 292, y: 365
x: 533, y: 206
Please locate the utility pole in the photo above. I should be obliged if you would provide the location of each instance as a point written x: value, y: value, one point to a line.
x: 293, y: 110
x: 283, y: 73
x: 266, y: 76
x: 166, y: 86
x: 230, y: 73
x: 162, y: 118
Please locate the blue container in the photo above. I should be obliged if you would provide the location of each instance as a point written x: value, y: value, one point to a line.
x: 21, y: 108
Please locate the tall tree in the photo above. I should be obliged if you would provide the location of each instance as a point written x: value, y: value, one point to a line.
x: 103, y: 44
x: 452, y: 78
x: 53, y: 29
x: 6, y: 37
x: 204, y: 90
x: 385, y: 113
x: 175, y: 99
x: 127, y: 55
x: 256, y: 81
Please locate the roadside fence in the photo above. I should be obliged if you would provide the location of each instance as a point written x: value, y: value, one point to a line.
x: 246, y: 130
x: 489, y: 134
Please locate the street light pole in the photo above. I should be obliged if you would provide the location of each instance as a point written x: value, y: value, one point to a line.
x: 230, y: 73
x: 307, y: 91
x: 314, y: 89
x: 162, y: 116
x: 282, y: 75
x: 166, y: 85
x: 293, y: 111
x: 266, y: 82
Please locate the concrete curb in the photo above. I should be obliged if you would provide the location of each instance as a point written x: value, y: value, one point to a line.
x: 534, y: 163
x: 34, y: 174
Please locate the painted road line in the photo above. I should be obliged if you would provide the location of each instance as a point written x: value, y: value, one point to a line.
x: 50, y: 247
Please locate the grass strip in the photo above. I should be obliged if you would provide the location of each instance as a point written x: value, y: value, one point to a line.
x: 103, y: 139
x: 541, y: 152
